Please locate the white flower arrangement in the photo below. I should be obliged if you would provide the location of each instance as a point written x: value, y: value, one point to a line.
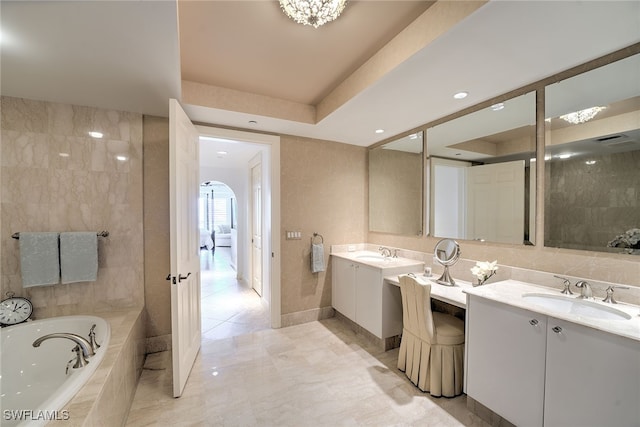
x: 483, y: 270
x: 630, y: 239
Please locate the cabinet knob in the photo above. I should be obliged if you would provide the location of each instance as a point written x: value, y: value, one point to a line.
x: 556, y: 329
x: 533, y: 322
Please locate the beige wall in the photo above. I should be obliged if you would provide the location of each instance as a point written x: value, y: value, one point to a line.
x: 89, y: 190
x: 323, y: 190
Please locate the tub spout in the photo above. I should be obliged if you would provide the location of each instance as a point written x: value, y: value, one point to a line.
x: 83, y: 344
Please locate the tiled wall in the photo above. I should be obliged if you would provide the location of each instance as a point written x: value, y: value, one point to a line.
x: 589, y: 205
x: 323, y: 190
x: 156, y: 232
x: 88, y: 189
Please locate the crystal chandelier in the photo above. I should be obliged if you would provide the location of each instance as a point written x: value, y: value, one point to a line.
x: 313, y: 12
x: 582, y: 116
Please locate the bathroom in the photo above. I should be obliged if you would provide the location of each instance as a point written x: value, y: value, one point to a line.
x: 42, y: 190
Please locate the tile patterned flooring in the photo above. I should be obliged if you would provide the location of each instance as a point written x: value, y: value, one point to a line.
x: 314, y: 374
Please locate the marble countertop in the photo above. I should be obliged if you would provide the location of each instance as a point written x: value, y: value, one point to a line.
x: 510, y: 292
x: 368, y: 258
x: 453, y: 295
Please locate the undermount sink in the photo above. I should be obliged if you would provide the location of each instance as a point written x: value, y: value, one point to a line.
x: 579, y: 307
x: 371, y: 257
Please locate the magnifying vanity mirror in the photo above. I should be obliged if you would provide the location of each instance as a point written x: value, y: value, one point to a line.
x: 447, y: 252
x: 482, y: 174
x: 395, y: 186
x: 592, y: 160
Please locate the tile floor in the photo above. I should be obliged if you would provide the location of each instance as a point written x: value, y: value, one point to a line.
x: 315, y: 374
x: 229, y: 307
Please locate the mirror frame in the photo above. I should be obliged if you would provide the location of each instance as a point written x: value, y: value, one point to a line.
x: 539, y: 88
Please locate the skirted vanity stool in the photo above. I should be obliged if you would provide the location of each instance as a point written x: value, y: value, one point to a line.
x: 432, y: 346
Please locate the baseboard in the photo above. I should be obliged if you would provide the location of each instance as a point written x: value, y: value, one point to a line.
x: 299, y: 317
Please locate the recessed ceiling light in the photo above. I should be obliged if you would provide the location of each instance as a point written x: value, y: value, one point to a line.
x: 122, y: 158
x: 379, y: 130
x: 253, y: 122
x: 564, y: 156
x: 590, y: 162
x: 95, y: 134
x: 222, y: 153
x: 461, y: 95
x: 497, y: 107
x: 63, y: 154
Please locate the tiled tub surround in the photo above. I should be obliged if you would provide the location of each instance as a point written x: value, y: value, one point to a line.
x: 106, y: 398
x: 55, y: 177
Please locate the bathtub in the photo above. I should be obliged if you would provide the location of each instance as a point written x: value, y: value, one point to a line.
x: 36, y: 383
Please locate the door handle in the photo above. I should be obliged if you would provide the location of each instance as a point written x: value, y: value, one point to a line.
x: 181, y: 277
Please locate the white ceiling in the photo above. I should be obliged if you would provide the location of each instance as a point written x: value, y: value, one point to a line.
x: 125, y: 56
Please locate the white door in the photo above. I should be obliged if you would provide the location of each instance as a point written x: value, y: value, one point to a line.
x: 184, y: 173
x: 495, y: 202
x: 256, y: 229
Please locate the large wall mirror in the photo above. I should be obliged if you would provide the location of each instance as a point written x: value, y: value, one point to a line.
x: 482, y: 174
x: 396, y: 186
x: 592, y: 160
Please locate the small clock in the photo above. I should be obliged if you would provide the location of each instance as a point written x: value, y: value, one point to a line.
x: 14, y: 310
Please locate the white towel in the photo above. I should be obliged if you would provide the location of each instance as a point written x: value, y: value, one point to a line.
x: 317, y: 257
x: 79, y: 257
x: 39, y: 259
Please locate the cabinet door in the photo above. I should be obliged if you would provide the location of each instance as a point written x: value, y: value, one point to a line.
x: 592, y: 378
x: 369, y: 299
x: 343, y: 288
x: 506, y: 360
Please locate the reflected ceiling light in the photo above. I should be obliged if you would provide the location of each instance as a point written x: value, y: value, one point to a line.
x: 461, y: 95
x: 590, y: 162
x: 222, y: 153
x: 564, y: 156
x: 547, y: 157
x: 313, y: 12
x: 497, y: 107
x: 413, y: 136
x: 379, y: 130
x: 95, y: 134
x: 582, y: 116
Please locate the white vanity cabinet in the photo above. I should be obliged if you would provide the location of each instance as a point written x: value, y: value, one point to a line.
x: 343, y: 287
x: 537, y: 370
x: 358, y: 291
x: 506, y: 360
x: 592, y: 377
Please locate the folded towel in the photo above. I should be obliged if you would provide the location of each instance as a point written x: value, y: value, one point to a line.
x: 79, y: 257
x: 39, y: 259
x: 317, y: 257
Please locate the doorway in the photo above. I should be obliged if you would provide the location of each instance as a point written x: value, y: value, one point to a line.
x: 230, y: 305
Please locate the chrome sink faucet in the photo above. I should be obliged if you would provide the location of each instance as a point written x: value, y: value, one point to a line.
x: 609, y: 297
x: 585, y: 289
x: 567, y: 283
x: 384, y: 251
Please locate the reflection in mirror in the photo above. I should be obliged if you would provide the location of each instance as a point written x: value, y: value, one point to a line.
x: 395, y: 186
x: 446, y: 252
x: 482, y: 170
x: 592, y: 160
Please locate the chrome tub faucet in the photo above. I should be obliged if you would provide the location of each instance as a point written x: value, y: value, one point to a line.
x: 83, y: 348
